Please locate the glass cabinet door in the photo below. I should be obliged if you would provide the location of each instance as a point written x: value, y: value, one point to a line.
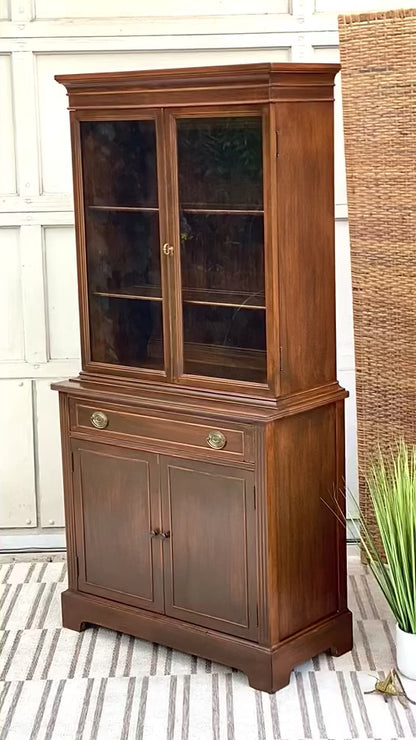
x: 220, y: 181
x: 122, y: 242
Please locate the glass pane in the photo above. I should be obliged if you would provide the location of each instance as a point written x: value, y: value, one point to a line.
x: 220, y: 162
x: 122, y: 242
x: 119, y: 160
x: 127, y: 332
x: 224, y: 342
x: 222, y: 247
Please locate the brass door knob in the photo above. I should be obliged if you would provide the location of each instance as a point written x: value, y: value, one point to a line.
x: 216, y: 440
x: 99, y: 419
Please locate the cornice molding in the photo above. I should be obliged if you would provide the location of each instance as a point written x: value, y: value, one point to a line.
x: 257, y: 83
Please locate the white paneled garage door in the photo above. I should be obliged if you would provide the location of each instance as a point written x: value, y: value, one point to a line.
x: 39, y: 339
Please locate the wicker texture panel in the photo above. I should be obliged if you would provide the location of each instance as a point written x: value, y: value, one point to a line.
x: 378, y: 58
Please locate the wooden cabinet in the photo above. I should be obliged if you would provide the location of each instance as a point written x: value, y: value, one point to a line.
x: 205, y: 430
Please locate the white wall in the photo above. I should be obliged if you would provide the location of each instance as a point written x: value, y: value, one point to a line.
x: 39, y: 339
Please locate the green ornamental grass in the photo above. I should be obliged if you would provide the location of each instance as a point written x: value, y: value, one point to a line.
x: 392, y: 487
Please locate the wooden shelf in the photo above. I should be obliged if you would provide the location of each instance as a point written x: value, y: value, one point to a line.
x: 232, y: 299
x: 193, y: 296
x: 221, y: 354
x: 224, y: 211
x: 184, y: 209
x: 133, y: 293
x: 126, y: 209
x: 232, y: 362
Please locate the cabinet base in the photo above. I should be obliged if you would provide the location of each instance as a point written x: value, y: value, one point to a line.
x: 267, y: 669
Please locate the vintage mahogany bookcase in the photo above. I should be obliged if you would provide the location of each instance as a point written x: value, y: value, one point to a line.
x: 206, y: 428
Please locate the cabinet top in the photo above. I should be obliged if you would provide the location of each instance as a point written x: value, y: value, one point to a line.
x: 260, y: 82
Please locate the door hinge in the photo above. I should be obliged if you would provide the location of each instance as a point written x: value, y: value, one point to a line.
x: 277, y: 144
x: 255, y: 497
x: 280, y: 359
x: 257, y: 614
x: 72, y: 462
x: 77, y: 565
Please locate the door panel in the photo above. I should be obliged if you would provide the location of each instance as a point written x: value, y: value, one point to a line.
x: 117, y: 507
x: 221, y: 235
x: 123, y: 216
x: 210, y: 556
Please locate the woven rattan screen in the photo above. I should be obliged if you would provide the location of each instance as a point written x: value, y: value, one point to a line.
x: 378, y: 57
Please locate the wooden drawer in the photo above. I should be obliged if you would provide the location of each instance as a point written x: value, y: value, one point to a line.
x: 214, y: 440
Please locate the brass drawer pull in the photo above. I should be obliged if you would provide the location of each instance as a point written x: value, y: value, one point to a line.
x: 216, y: 440
x: 99, y: 419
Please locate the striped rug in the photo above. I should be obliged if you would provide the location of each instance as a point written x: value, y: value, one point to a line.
x: 107, y: 686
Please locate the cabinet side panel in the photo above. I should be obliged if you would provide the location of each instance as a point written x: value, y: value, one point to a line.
x: 308, y: 533
x: 70, y: 533
x: 305, y: 214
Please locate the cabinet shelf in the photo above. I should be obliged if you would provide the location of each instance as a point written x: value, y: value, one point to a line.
x: 231, y: 299
x: 134, y: 293
x: 224, y: 211
x: 195, y: 296
x: 126, y: 209
x: 184, y: 209
x: 235, y: 362
x: 222, y: 354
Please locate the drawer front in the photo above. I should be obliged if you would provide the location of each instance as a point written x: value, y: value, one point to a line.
x: 218, y: 441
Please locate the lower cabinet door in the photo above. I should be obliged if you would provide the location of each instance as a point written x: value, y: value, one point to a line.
x: 117, y: 505
x: 208, y: 513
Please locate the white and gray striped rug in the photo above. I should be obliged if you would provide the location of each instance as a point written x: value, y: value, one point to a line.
x: 102, y: 685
